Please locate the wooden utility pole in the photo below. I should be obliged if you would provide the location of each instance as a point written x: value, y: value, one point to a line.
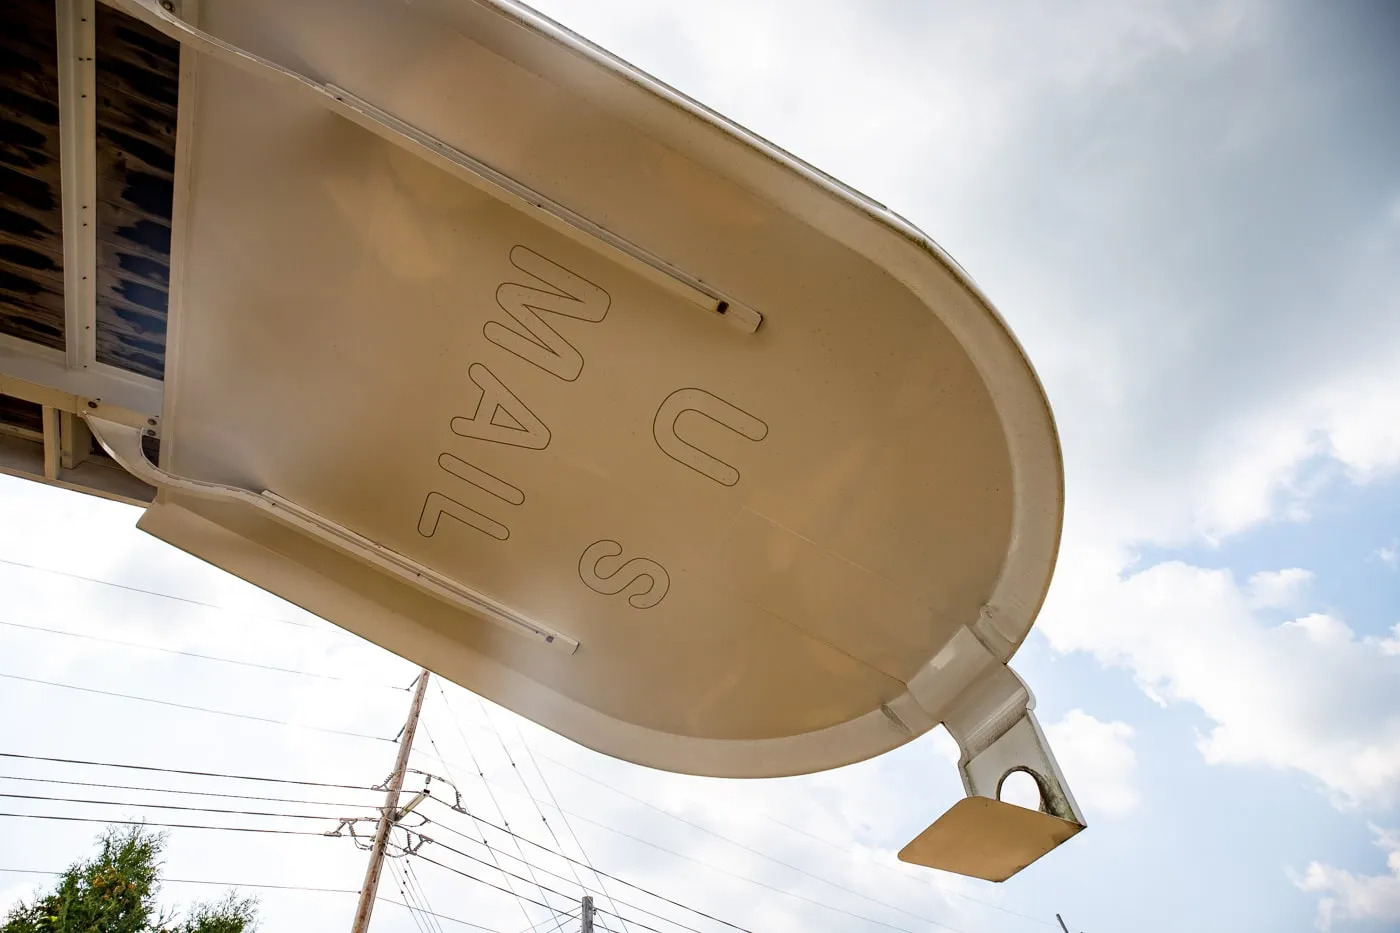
x: 587, y: 914
x: 390, y: 814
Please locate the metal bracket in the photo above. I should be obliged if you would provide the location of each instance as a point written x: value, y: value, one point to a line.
x: 123, y: 443
x: 994, y: 724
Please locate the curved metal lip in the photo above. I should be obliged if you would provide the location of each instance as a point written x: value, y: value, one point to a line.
x: 1017, y: 393
x: 532, y: 19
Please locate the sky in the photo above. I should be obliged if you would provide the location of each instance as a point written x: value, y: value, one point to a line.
x: 1189, y: 214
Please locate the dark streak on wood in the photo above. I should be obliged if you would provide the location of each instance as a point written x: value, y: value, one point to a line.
x: 31, y: 231
x: 137, y: 91
x: 19, y: 413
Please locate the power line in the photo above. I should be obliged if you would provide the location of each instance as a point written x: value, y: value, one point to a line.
x: 221, y: 884
x: 452, y: 779
x: 270, y: 887
x: 629, y: 884
x: 197, y: 709
x: 726, y: 871
x: 645, y: 842
x: 476, y: 766
x: 748, y: 848
x: 166, y: 806
x: 422, y: 894
x: 416, y: 897
x: 929, y: 882
x: 683, y: 926
x: 924, y: 878
x: 465, y: 923
x: 231, y: 829
x: 458, y: 871
x: 179, y: 599
x: 169, y: 790
x: 584, y: 888
x: 413, y: 910
x: 636, y: 922
x: 557, y: 922
x: 509, y: 758
x: 757, y: 852
x: 213, y: 774
x: 602, y: 885
x: 204, y: 657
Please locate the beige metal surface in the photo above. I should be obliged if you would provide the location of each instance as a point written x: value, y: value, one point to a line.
x: 788, y: 498
x: 987, y: 839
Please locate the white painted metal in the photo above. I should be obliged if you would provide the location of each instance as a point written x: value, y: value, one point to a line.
x: 445, y: 351
x: 123, y: 443
x: 77, y: 125
x: 30, y: 362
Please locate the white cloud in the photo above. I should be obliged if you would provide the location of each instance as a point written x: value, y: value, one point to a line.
x: 1357, y: 897
x: 1278, y: 589
x: 1098, y: 761
x: 1389, y: 555
x: 1307, y: 695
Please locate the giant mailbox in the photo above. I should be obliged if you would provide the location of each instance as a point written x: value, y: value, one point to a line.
x: 496, y: 351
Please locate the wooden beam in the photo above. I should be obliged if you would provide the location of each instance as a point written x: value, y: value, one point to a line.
x: 75, y: 440
x: 51, y: 443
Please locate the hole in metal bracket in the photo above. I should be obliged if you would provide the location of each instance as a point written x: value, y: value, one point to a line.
x: 1020, y: 788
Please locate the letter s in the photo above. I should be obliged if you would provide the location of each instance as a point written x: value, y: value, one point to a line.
x: 623, y: 578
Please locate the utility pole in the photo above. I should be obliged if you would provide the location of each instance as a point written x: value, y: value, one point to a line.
x: 390, y: 814
x: 1062, y: 923
x: 587, y: 914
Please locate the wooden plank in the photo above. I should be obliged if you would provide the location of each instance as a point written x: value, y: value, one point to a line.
x: 51, y: 443
x: 136, y: 59
x: 76, y: 441
x: 31, y: 226
x: 130, y: 262
x: 137, y: 94
x: 19, y: 413
x: 132, y: 310
x: 144, y: 129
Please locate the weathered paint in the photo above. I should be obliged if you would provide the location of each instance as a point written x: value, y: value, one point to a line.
x: 21, y: 414
x: 137, y: 92
x: 31, y: 238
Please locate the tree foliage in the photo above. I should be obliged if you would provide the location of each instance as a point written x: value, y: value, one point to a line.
x: 115, y: 892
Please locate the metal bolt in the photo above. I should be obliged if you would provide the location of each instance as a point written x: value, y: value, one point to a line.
x: 151, y: 422
x: 150, y: 433
x: 92, y: 404
x: 167, y: 5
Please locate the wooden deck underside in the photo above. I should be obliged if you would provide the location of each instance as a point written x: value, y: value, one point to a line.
x: 136, y: 96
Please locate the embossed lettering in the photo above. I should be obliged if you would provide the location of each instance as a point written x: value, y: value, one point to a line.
x: 664, y: 430
x: 436, y: 505
x: 470, y: 473
x: 500, y: 417
x: 568, y: 295
x: 645, y: 580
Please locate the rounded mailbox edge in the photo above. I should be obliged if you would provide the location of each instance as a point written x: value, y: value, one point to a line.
x: 904, y: 251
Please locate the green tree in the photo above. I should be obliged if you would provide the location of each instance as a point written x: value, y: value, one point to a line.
x: 115, y: 892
